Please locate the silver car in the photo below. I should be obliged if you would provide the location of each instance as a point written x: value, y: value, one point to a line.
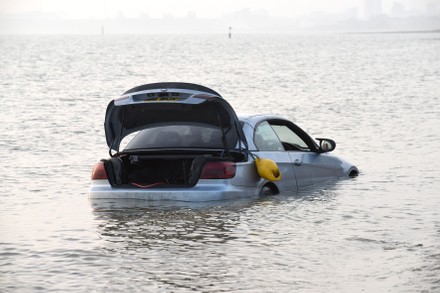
x: 186, y: 143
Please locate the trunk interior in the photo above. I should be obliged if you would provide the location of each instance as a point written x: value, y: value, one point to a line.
x: 158, y: 171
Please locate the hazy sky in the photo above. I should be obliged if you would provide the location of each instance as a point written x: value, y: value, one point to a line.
x: 202, y: 8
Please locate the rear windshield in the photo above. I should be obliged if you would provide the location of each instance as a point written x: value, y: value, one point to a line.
x: 180, y: 136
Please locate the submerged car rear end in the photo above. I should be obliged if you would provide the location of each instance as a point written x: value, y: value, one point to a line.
x: 214, y: 183
x: 189, y: 146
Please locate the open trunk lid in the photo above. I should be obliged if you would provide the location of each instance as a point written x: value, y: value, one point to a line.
x: 164, y: 103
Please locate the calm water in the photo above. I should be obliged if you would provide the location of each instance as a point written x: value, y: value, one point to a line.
x: 378, y: 96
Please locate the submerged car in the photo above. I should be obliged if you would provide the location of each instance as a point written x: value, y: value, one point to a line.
x: 187, y: 143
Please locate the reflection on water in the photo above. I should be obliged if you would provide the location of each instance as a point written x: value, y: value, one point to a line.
x: 146, y: 224
x: 200, y: 245
x: 377, y: 96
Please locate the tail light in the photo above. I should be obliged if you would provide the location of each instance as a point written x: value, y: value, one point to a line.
x: 99, y: 171
x: 218, y: 170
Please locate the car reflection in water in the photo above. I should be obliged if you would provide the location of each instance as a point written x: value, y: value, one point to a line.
x: 140, y: 223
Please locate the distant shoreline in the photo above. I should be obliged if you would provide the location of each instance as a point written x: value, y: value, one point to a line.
x: 398, y: 32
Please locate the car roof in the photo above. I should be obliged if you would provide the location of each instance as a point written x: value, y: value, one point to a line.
x: 254, y: 119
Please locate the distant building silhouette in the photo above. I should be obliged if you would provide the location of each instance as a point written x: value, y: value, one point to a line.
x: 372, y: 8
x: 398, y: 10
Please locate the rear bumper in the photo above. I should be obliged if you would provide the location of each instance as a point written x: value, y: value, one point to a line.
x: 205, y: 190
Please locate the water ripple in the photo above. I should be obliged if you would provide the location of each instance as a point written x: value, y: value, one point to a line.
x: 376, y: 95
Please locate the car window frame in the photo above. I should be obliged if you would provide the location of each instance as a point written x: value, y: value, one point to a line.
x: 259, y: 146
x: 312, y: 145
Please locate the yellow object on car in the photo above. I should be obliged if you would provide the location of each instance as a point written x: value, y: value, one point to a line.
x: 267, y: 169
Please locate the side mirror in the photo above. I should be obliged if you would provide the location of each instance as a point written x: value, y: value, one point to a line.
x: 326, y: 145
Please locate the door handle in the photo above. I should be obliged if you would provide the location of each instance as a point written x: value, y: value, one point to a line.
x: 297, y: 162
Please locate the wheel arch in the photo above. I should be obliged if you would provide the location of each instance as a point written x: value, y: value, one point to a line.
x: 271, y: 186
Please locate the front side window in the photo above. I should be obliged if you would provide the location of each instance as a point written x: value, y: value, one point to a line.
x: 290, y: 140
x: 265, y: 138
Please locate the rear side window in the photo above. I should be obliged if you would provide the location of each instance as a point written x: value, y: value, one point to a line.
x: 177, y: 136
x: 265, y: 138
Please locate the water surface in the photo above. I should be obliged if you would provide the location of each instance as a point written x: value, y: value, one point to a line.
x: 378, y: 96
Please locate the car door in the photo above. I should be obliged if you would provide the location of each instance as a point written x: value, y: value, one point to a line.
x: 311, y: 168
x: 269, y: 147
x: 309, y: 165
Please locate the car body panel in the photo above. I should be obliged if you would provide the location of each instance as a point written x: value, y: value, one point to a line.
x: 246, y: 175
x: 311, y: 168
x: 282, y: 159
x: 205, y: 190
